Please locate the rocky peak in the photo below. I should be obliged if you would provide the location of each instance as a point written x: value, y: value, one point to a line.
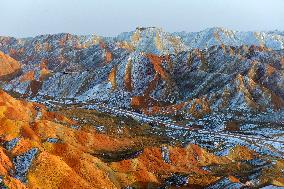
x: 155, y: 40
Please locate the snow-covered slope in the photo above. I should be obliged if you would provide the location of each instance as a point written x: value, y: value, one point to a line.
x: 152, y: 40
x: 219, y: 36
x: 148, y: 67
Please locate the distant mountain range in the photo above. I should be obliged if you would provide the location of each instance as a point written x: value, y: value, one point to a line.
x: 227, y: 84
x: 157, y: 41
x: 198, y: 72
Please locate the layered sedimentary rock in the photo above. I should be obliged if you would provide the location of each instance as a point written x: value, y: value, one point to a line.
x: 218, y: 80
x: 9, y: 67
x: 42, y: 149
x: 159, y: 66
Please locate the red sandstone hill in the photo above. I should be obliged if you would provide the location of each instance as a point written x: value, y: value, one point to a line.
x: 8, y: 66
x: 41, y: 149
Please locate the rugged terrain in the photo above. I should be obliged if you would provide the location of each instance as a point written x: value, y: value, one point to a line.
x: 133, y: 106
x: 42, y: 149
x: 152, y: 67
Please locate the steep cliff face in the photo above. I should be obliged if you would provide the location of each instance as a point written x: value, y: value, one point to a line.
x: 42, y: 149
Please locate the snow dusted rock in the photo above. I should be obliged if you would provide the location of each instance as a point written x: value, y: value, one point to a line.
x: 22, y: 164
x: 197, y: 73
x: 226, y: 184
x: 218, y: 36
x: 153, y: 40
x: 9, y: 145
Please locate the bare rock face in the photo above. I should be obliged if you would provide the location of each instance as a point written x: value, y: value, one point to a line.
x: 8, y: 66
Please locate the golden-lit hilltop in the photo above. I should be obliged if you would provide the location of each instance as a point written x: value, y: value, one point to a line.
x: 42, y: 149
x: 8, y: 66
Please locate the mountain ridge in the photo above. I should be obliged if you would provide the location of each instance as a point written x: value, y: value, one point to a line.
x: 276, y: 31
x: 253, y: 36
x: 216, y: 80
x: 150, y: 68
